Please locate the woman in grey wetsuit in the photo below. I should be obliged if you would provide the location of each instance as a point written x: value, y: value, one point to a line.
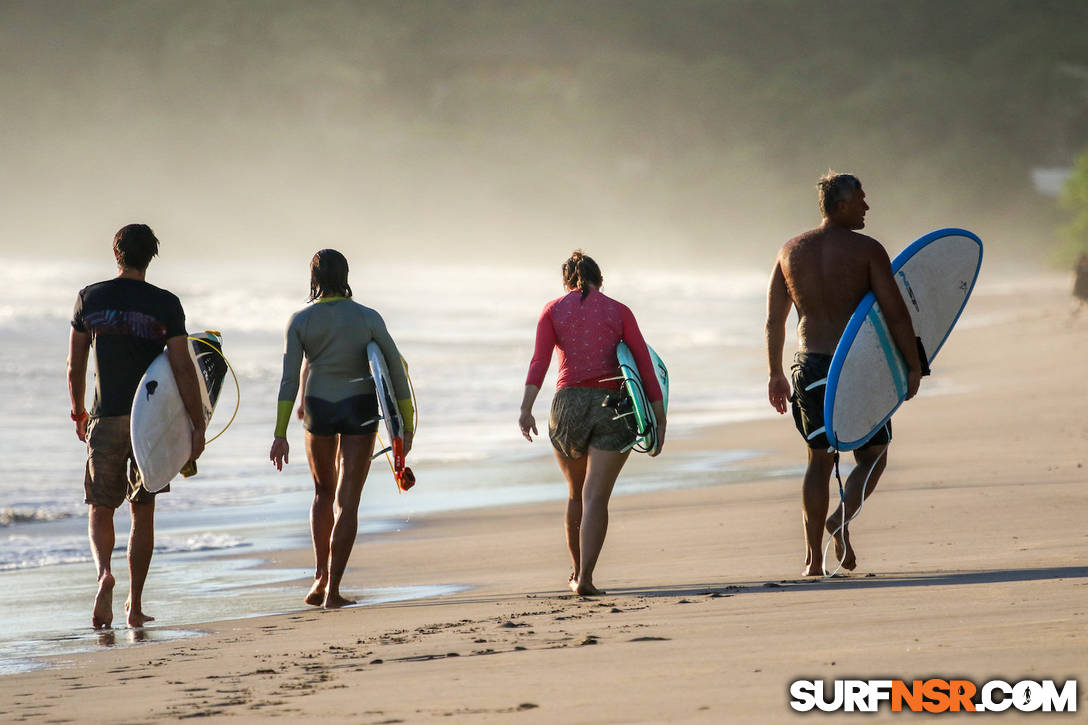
x: 340, y: 412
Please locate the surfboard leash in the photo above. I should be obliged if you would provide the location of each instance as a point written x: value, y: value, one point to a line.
x: 842, y: 500
x: 237, y: 387
x: 407, y: 476
x: 651, y: 431
x: 923, y: 357
x: 637, y: 386
x: 842, y: 504
x: 412, y: 391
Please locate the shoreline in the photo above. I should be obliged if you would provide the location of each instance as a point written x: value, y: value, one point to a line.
x: 973, y: 563
x: 258, y: 578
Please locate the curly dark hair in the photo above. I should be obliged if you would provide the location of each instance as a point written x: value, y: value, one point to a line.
x: 581, y: 271
x: 329, y: 275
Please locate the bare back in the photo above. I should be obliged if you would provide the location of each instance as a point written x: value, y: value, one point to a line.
x: 827, y: 271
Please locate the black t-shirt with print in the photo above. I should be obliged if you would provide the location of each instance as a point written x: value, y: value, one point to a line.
x: 129, y: 322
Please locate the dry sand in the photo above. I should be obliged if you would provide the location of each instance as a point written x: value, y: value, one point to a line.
x: 973, y: 562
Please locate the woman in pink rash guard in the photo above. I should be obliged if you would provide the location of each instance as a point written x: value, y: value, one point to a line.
x: 590, y: 445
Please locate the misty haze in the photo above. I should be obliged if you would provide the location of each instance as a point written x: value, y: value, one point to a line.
x: 457, y: 152
x: 497, y: 131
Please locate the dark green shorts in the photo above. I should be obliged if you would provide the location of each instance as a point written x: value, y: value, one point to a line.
x: 582, y: 417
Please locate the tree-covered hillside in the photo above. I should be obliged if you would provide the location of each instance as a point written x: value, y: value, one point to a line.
x: 693, y: 126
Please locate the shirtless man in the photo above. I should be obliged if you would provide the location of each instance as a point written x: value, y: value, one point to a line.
x: 126, y: 322
x: 825, y: 272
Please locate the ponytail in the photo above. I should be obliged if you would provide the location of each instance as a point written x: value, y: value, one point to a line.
x: 580, y: 271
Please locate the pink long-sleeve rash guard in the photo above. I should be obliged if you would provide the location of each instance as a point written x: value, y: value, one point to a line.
x: 586, y: 333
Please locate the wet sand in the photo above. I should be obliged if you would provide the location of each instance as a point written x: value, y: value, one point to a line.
x: 973, y: 563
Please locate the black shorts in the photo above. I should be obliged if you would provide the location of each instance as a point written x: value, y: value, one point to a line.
x: 809, y: 373
x: 357, y: 415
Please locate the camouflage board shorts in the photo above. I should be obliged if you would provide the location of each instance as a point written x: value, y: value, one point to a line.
x: 582, y: 417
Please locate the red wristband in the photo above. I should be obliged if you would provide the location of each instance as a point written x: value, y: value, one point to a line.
x: 81, y: 417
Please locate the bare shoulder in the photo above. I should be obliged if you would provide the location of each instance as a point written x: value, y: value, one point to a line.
x: 871, y: 247
x: 865, y: 239
x: 801, y: 240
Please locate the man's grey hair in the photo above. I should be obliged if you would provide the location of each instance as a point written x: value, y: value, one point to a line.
x: 835, y: 187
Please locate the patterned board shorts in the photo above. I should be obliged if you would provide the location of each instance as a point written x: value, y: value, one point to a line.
x: 582, y: 417
x: 111, y: 475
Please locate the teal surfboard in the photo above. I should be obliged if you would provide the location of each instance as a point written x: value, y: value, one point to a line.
x: 645, y: 420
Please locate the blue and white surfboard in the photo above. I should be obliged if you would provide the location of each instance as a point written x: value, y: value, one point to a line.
x: 867, y: 381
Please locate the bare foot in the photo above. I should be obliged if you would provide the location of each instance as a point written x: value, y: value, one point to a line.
x: 136, y: 617
x: 842, y: 541
x: 585, y: 589
x: 335, y: 601
x: 811, y: 570
x: 317, y: 593
x: 102, y: 616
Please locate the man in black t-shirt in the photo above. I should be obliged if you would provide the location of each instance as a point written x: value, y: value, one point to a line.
x: 126, y: 321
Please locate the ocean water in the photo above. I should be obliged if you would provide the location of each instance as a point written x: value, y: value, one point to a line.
x: 467, y: 334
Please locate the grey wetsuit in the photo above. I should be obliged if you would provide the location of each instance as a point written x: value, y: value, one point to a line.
x: 333, y: 335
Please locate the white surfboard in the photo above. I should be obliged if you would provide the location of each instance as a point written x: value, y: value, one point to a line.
x: 160, y: 427
x: 387, y: 400
x: 867, y: 380
x: 394, y: 422
x: 643, y: 412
